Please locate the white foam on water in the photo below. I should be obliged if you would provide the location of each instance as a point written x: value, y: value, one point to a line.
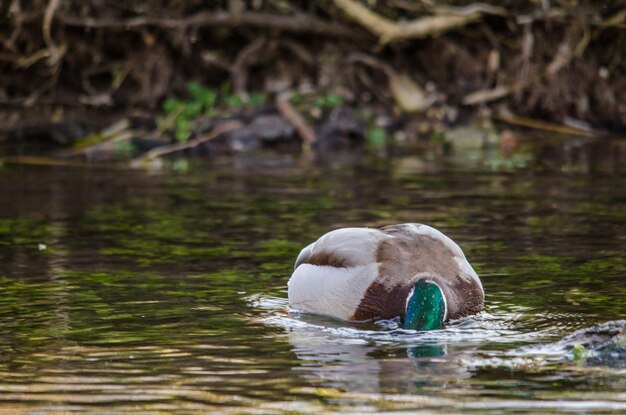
x: 498, y: 327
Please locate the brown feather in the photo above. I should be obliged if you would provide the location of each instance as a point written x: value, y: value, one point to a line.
x: 410, y: 256
x: 328, y: 258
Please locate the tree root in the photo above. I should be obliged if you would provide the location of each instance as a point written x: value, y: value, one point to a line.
x: 388, y: 31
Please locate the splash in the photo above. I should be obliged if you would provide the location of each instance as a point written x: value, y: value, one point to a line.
x: 487, y: 327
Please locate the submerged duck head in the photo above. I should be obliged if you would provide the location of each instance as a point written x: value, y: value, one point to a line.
x: 425, y: 307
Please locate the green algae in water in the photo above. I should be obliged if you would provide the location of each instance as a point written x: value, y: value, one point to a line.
x: 166, y: 292
x: 24, y: 232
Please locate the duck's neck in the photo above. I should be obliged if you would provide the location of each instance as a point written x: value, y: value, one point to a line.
x: 425, y: 307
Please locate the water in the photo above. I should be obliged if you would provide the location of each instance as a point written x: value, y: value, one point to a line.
x: 131, y: 291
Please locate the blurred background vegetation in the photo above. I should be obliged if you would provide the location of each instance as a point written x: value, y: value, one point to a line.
x: 344, y: 68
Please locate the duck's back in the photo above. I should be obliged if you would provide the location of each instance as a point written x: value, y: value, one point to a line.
x: 363, y: 274
x: 414, y: 252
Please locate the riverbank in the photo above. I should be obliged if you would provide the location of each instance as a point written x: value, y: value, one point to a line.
x: 102, y: 82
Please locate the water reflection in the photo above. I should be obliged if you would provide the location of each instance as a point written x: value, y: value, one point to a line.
x: 418, y: 370
x: 165, y: 292
x: 382, y: 357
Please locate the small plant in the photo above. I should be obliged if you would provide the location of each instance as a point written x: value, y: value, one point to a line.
x: 240, y: 100
x: 329, y: 100
x: 326, y: 101
x: 180, y: 113
x: 376, y: 136
x: 437, y: 137
x: 297, y: 98
x: 124, y: 149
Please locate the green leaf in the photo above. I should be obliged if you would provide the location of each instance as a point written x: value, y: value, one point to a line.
x: 376, y: 136
x: 172, y: 105
x: 124, y: 148
x: 208, y: 99
x: 196, y: 90
x: 333, y: 100
x: 225, y: 89
x: 296, y: 98
x: 183, y: 129
x: 193, y: 109
x: 234, y: 100
x: 256, y: 99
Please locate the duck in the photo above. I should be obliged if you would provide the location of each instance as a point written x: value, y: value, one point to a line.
x: 411, y: 271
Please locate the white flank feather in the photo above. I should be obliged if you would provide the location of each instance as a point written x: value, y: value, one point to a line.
x: 328, y: 290
x: 357, y: 245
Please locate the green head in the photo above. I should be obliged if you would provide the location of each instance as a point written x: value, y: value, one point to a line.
x: 426, y: 307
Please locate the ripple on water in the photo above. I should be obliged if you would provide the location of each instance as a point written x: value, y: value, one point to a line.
x: 135, y: 306
x: 512, y: 339
x: 486, y: 327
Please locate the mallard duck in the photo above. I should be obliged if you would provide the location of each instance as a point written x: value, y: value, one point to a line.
x: 409, y: 270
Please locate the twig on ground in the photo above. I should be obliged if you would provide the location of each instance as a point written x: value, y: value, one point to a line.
x: 295, y: 118
x: 543, y: 125
x: 487, y: 95
x: 116, y: 133
x: 216, y: 132
x: 469, y: 9
x: 49, y: 161
x: 299, y: 23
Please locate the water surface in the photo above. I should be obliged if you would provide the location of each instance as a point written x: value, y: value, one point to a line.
x: 165, y: 292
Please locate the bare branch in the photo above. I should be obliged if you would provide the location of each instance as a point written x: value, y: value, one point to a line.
x: 487, y: 95
x: 161, y: 151
x: 296, y: 23
x: 543, y: 125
